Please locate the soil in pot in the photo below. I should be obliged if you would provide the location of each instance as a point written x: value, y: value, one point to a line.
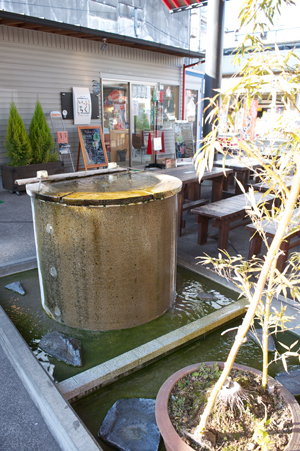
x: 263, y: 421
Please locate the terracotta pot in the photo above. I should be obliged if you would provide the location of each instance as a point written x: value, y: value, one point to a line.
x: 173, y: 441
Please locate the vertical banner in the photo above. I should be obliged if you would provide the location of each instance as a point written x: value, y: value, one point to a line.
x: 249, y: 120
x: 223, y: 126
x: 82, y: 106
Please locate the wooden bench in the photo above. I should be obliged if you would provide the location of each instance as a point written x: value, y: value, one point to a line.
x: 223, y: 213
x: 189, y: 205
x: 243, y: 168
x: 270, y: 229
x: 263, y: 187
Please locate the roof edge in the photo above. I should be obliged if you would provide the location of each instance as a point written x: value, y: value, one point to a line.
x: 20, y: 20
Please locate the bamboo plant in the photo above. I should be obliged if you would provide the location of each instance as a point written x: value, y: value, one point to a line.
x: 259, y: 280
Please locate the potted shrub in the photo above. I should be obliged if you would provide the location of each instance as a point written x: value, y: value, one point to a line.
x: 181, y: 398
x: 28, y: 154
x: 259, y: 280
x: 41, y: 138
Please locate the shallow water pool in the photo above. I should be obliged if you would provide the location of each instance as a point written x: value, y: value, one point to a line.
x: 33, y: 323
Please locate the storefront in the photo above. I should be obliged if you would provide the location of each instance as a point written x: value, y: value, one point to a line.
x: 132, y: 110
x: 136, y: 87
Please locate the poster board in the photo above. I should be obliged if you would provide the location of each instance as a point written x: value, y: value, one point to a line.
x: 92, y: 147
x: 184, y: 143
x: 82, y: 106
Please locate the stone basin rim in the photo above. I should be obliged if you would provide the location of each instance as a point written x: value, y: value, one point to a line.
x: 166, y: 186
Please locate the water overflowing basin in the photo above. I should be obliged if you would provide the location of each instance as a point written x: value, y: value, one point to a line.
x: 106, y: 247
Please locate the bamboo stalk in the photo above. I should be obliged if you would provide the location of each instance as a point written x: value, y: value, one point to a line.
x: 69, y: 175
x: 243, y: 329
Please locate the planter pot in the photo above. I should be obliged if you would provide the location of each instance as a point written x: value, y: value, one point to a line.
x: 12, y: 173
x: 173, y: 441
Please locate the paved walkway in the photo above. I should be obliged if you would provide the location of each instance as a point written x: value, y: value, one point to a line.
x: 34, y: 416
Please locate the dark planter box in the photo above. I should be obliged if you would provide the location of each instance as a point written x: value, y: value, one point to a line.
x: 12, y: 173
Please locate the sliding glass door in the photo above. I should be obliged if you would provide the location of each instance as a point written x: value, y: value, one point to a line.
x: 116, y: 121
x: 130, y: 112
x: 142, y: 121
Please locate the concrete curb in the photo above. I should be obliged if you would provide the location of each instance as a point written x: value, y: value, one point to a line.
x: 18, y: 266
x: 88, y: 381
x: 62, y: 421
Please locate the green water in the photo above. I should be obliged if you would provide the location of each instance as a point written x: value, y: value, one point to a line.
x: 32, y: 322
x: 146, y: 382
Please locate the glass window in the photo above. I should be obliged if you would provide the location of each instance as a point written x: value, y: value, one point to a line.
x: 116, y: 121
x: 169, y: 105
x: 191, y: 109
x: 152, y: 109
x: 142, y: 121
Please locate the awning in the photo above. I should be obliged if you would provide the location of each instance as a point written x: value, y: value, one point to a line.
x: 182, y: 5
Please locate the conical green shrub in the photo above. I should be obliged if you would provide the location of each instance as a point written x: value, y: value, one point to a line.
x: 16, y: 140
x: 41, y: 138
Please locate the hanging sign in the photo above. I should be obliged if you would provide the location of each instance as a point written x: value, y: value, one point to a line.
x: 82, y: 106
x: 157, y: 144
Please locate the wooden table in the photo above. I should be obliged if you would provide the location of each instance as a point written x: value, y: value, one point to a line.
x: 270, y: 229
x: 241, y: 168
x: 223, y: 213
x: 191, y: 187
x: 263, y: 186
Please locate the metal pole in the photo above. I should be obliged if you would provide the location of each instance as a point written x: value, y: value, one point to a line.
x: 214, y: 53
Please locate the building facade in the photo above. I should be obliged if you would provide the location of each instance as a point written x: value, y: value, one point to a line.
x: 137, y: 88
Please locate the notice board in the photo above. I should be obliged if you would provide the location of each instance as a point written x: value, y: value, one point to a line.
x: 92, y: 147
x: 184, y: 142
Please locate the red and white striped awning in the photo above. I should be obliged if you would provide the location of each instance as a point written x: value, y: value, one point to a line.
x: 181, y: 5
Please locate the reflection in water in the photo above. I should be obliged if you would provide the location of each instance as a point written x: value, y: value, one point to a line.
x: 31, y: 320
x: 115, y: 182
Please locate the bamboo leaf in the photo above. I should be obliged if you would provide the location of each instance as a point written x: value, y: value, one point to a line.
x: 284, y: 363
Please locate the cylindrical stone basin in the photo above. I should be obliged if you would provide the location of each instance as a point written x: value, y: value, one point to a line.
x: 106, y: 247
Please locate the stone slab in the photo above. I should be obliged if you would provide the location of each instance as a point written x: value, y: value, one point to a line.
x: 16, y: 287
x: 256, y: 335
x: 62, y: 347
x: 290, y: 380
x: 130, y: 425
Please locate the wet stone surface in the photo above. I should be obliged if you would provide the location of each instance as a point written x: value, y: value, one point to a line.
x: 258, y: 338
x: 290, y: 380
x: 17, y: 287
x: 130, y: 425
x: 62, y: 347
x: 205, y: 296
